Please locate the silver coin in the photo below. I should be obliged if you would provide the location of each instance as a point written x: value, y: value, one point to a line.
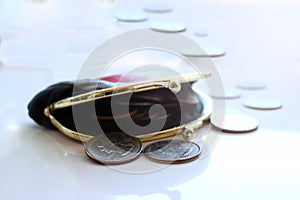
x: 157, y: 8
x: 201, y: 33
x: 251, y: 86
x: 263, y: 104
x: 168, y: 27
x: 113, y: 148
x: 226, y: 94
x: 234, y: 122
x: 131, y: 16
x: 203, y: 52
x: 172, y: 151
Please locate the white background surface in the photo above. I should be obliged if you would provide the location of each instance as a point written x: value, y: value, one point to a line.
x: 43, y: 43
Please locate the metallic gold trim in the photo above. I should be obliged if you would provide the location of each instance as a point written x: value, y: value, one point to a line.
x: 173, y: 84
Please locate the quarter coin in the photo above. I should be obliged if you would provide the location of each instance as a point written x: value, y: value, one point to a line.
x: 172, y: 151
x: 234, y: 122
x: 113, y: 148
x: 263, y: 104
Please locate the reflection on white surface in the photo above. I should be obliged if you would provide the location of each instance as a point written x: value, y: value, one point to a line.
x: 151, y: 57
x: 12, y: 126
x: 44, y: 154
x: 258, y: 1
x: 249, y: 160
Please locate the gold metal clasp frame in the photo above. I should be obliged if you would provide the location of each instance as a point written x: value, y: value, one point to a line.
x: 173, y: 84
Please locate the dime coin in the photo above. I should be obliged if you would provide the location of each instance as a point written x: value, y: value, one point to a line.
x: 234, y: 122
x: 203, y: 52
x: 251, y: 86
x: 201, y: 33
x: 157, y: 8
x: 226, y: 94
x: 263, y: 104
x: 113, y: 148
x: 168, y: 27
x: 172, y: 151
x: 131, y: 16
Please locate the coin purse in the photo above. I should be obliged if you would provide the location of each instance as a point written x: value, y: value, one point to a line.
x: 86, y: 108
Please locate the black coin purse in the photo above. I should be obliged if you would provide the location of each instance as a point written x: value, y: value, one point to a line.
x: 148, y: 110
